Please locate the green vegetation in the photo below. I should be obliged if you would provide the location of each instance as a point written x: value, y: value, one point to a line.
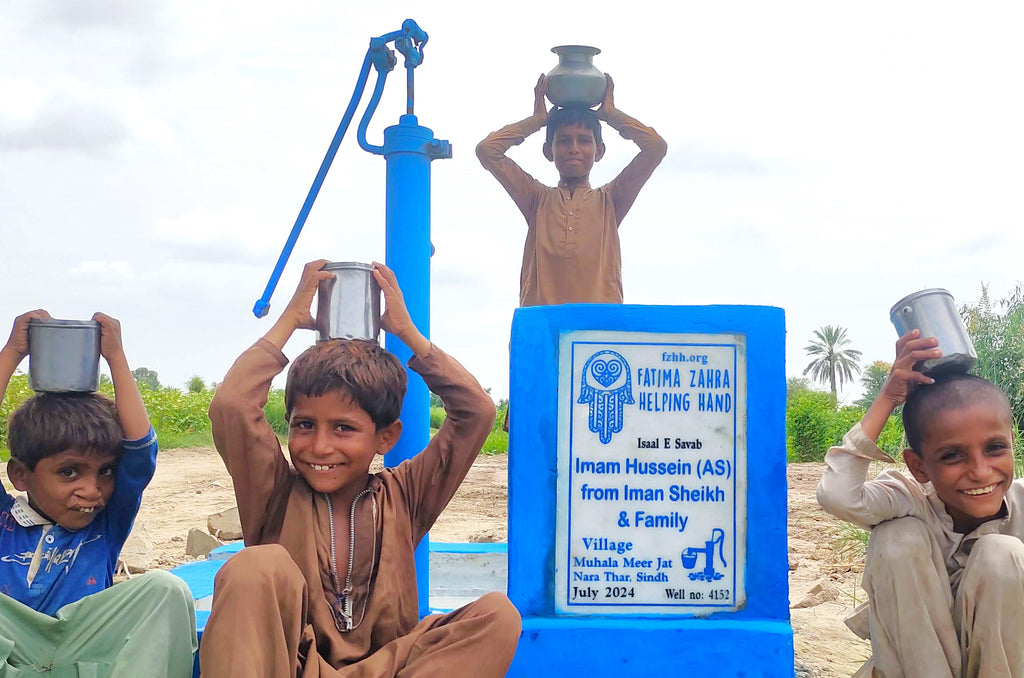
x: 274, y: 410
x: 144, y: 375
x: 497, y: 439
x: 872, y: 380
x: 999, y: 341
x: 851, y: 543
x: 180, y: 419
x: 813, y: 424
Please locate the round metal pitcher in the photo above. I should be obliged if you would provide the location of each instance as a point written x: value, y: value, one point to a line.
x: 933, y: 312
x: 575, y: 81
x: 348, y: 306
x: 64, y: 356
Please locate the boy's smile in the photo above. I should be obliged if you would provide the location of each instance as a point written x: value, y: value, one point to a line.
x: 69, y: 488
x: 967, y: 454
x: 332, y: 441
x: 574, y: 151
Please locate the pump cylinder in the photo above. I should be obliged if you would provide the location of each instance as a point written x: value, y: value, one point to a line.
x: 407, y: 252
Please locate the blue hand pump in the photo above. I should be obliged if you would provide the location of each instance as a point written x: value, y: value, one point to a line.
x: 408, y: 149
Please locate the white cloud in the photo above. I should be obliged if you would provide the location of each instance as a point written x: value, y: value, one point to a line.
x: 104, y: 272
x: 822, y: 158
x: 69, y: 115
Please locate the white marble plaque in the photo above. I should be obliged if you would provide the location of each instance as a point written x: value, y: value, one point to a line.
x: 651, y: 515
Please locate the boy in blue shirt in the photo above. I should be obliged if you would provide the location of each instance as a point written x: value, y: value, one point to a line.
x: 83, y: 462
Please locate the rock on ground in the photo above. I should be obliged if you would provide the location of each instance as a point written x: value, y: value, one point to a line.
x: 199, y: 543
x: 225, y: 525
x: 821, y: 591
x: 137, y: 554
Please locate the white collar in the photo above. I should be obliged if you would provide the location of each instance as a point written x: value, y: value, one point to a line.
x: 26, y: 515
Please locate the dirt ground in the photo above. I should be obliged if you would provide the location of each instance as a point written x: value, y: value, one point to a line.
x: 191, y: 484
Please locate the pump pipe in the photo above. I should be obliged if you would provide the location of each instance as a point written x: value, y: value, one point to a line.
x: 411, y: 38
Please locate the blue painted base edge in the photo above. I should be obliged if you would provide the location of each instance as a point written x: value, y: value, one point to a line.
x: 635, y: 648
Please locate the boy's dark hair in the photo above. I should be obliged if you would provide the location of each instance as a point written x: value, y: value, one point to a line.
x: 373, y: 378
x: 573, y: 115
x: 949, y: 392
x: 50, y: 423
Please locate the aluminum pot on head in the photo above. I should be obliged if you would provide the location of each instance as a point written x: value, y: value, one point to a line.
x: 348, y: 306
x: 933, y: 312
x: 63, y: 356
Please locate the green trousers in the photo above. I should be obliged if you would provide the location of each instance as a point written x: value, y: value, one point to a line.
x: 142, y: 628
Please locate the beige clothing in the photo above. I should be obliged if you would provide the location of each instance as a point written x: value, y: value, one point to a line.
x: 924, y: 616
x: 920, y: 628
x: 277, y: 506
x: 572, y: 250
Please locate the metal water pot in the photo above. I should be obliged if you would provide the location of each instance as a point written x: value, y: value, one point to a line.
x: 63, y: 356
x: 933, y: 312
x: 575, y: 81
x: 348, y: 306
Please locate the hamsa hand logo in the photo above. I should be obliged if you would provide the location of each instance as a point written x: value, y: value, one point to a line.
x: 607, y: 387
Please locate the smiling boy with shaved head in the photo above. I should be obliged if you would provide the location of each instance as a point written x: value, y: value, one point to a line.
x: 945, y: 561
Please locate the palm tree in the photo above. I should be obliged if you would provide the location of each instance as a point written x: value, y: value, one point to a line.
x: 832, y: 362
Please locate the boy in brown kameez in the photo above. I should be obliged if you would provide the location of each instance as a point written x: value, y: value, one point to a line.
x: 297, y: 601
x: 572, y: 252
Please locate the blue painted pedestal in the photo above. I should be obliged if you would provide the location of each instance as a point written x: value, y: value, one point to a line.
x: 754, y: 640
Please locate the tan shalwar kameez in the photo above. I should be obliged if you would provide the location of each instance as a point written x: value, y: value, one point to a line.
x: 572, y: 253
x: 943, y: 604
x: 272, y: 612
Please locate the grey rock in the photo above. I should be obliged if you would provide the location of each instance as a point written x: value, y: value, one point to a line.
x: 137, y: 554
x: 821, y: 591
x: 199, y: 544
x: 225, y: 525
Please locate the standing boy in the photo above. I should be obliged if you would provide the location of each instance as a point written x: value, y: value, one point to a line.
x: 945, y: 562
x: 326, y: 585
x: 572, y: 239
x: 83, y: 463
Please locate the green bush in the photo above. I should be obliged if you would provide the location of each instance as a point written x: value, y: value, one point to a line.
x: 496, y: 443
x: 813, y: 424
x: 892, y: 438
x: 274, y: 411
x: 17, y: 393
x: 179, y: 419
x: 497, y: 440
x: 810, y: 425
x: 844, y: 420
x: 172, y: 411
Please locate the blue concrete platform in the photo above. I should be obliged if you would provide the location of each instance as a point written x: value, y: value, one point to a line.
x: 653, y: 647
x: 459, y: 574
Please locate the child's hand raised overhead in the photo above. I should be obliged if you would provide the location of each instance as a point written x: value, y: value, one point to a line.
x: 130, y: 407
x: 607, y: 107
x: 111, y: 347
x: 911, y: 349
x: 396, y: 319
x: 17, y: 344
x: 296, y: 315
x: 540, y: 108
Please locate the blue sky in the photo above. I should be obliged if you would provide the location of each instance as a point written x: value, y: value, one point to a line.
x: 824, y: 157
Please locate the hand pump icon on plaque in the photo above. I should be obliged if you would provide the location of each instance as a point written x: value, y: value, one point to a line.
x: 690, y: 555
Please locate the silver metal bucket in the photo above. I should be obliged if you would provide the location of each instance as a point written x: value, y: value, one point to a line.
x: 64, y: 355
x: 933, y: 311
x: 348, y: 306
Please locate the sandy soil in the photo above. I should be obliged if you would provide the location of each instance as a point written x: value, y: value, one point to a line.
x: 190, y: 484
